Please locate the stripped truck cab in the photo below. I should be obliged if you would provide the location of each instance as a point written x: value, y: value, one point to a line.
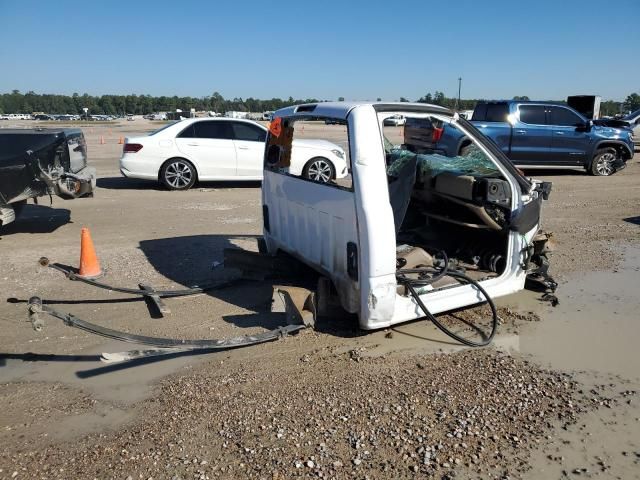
x: 402, y: 200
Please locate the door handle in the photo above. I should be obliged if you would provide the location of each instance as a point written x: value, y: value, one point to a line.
x: 243, y: 148
x: 559, y: 133
x: 193, y: 144
x: 521, y: 132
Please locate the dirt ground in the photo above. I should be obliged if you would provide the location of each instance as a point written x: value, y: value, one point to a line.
x: 555, y: 396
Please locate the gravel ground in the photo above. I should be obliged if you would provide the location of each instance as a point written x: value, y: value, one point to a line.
x: 472, y: 413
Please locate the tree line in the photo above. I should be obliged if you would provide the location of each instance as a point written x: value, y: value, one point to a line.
x: 16, y: 102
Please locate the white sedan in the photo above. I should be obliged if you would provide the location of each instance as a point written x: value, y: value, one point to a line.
x: 395, y: 120
x: 204, y: 149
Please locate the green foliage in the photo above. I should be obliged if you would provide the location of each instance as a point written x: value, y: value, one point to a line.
x: 632, y: 102
x: 439, y: 98
x: 16, y: 102
x: 609, y: 108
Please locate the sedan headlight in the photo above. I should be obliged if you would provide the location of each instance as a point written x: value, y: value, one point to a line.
x: 338, y: 153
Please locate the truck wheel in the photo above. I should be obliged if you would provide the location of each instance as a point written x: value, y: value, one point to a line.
x: 319, y: 169
x: 602, y: 163
x: 178, y: 174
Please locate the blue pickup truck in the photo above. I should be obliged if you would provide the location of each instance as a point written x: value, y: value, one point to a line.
x: 545, y: 135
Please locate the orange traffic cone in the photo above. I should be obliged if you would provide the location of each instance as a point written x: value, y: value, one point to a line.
x: 89, y: 264
x: 121, y: 141
x: 101, y: 140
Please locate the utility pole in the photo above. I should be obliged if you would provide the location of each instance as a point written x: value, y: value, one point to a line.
x: 459, y: 88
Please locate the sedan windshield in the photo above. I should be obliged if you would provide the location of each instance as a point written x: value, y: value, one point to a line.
x: 632, y: 115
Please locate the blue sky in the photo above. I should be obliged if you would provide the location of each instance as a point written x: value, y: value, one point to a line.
x: 323, y: 49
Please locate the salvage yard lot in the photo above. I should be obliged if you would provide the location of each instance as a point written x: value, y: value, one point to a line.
x: 377, y: 404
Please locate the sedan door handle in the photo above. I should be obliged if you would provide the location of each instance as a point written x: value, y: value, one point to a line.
x: 243, y: 148
x: 559, y: 133
x: 521, y: 132
x: 193, y: 144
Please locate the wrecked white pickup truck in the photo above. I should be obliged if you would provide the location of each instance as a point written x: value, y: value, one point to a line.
x: 39, y: 162
x: 411, y: 232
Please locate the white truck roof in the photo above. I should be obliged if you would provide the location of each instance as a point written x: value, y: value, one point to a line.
x: 340, y: 110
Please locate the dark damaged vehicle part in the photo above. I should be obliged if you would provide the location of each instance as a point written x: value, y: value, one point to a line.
x: 298, y: 305
x: 42, y: 162
x: 37, y: 308
x: 144, y: 292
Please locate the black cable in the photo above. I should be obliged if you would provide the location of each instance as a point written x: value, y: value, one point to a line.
x: 144, y: 293
x: 410, y: 283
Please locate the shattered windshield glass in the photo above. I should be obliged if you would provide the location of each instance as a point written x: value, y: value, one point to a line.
x: 422, y: 139
x: 475, y: 163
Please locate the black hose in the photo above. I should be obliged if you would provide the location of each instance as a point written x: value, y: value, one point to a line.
x: 131, y: 291
x: 437, y: 274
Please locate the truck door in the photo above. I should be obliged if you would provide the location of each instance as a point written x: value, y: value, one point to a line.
x: 492, y: 120
x: 531, y: 139
x: 570, y: 143
x: 315, y: 222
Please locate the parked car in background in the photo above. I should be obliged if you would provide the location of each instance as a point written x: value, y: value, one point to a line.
x: 395, y: 120
x: 39, y: 162
x: 546, y: 135
x: 633, y: 119
x: 16, y: 116
x: 66, y: 117
x: 155, y: 116
x: 184, y: 152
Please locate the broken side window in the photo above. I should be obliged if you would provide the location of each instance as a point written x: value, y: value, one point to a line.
x: 311, y: 148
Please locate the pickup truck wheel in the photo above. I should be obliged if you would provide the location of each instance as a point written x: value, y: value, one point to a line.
x: 319, y: 169
x: 178, y: 174
x: 602, y: 164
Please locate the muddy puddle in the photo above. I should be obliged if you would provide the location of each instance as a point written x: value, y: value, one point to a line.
x: 596, y: 326
x: 120, y: 384
x: 594, y: 332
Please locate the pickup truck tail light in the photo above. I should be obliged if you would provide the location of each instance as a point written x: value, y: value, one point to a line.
x: 437, y: 134
x: 132, y: 147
